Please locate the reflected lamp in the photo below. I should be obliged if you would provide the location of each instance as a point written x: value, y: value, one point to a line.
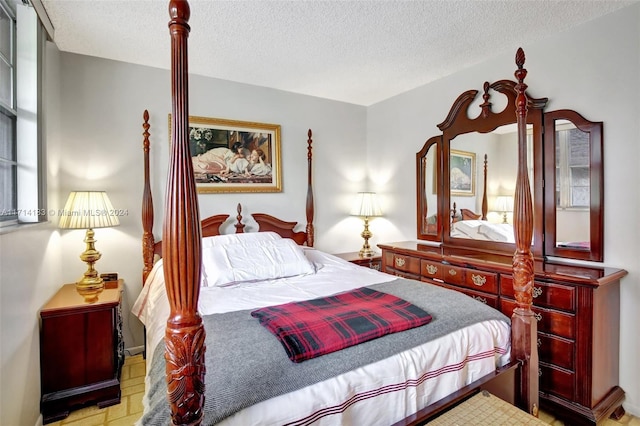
x: 366, y: 206
x: 89, y: 210
x: 504, y: 205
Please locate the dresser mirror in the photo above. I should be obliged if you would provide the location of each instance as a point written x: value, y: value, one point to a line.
x: 574, y: 190
x: 468, y: 173
x: 482, y: 179
x: 429, y: 189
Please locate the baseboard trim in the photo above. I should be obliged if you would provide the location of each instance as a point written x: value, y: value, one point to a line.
x: 134, y: 350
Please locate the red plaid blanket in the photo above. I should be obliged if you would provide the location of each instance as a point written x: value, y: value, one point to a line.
x: 316, y: 327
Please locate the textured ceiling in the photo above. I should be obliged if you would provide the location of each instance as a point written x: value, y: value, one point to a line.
x: 360, y: 52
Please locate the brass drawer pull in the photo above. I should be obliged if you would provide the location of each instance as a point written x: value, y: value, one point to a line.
x: 478, y: 280
x: 539, y: 342
x: 400, y: 261
x: 431, y: 269
x: 538, y: 316
x: 480, y: 299
x: 537, y: 292
x: 453, y: 272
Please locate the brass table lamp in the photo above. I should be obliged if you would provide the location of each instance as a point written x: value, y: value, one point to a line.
x: 366, y: 206
x: 504, y: 205
x: 89, y: 210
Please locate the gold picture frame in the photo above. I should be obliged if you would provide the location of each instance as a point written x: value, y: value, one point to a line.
x: 234, y: 156
x: 462, y: 173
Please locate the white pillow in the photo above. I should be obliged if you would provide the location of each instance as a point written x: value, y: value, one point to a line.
x: 468, y: 228
x: 229, y: 264
x: 244, y: 238
x: 498, y: 232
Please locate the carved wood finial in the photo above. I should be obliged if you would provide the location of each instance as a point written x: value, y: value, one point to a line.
x: 520, y: 58
x: 486, y: 105
x: 239, y: 225
x: 179, y: 10
x: 485, y: 206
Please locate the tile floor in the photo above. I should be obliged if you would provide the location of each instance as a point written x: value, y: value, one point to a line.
x: 130, y: 408
x: 124, y: 414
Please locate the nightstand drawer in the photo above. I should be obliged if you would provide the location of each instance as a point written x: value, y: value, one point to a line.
x: 373, y: 262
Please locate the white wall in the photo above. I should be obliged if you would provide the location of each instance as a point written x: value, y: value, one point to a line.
x: 30, y: 273
x: 592, y: 69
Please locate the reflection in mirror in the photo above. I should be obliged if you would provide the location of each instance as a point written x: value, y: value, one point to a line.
x: 429, y: 225
x: 572, y: 186
x: 494, y: 181
x: 574, y: 201
x: 430, y: 192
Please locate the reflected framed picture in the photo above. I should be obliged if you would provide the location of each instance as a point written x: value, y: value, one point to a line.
x: 462, y: 173
x: 234, y: 156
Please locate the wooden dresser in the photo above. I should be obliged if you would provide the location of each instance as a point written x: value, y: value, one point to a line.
x: 577, y: 308
x: 81, y: 351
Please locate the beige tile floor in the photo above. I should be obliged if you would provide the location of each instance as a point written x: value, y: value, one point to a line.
x: 130, y: 408
x: 124, y: 414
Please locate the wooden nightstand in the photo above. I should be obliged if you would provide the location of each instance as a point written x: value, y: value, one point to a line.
x: 374, y: 262
x: 81, y: 351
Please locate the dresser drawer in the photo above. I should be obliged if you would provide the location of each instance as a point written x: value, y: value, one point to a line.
x: 487, y: 299
x: 432, y: 270
x: 556, y: 381
x: 482, y: 281
x: 556, y: 350
x: 559, y: 323
x: 403, y: 274
x: 548, y: 295
x: 453, y: 274
x: 404, y: 263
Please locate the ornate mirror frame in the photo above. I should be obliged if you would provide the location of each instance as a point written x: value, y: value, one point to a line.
x: 542, y: 125
x: 595, y: 250
x: 431, y: 173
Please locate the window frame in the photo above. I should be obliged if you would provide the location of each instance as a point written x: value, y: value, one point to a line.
x: 9, y: 213
x: 28, y: 190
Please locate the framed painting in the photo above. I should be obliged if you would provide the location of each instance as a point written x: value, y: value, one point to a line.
x: 462, y: 172
x: 234, y: 156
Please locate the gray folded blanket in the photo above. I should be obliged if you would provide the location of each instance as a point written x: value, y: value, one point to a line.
x: 246, y: 364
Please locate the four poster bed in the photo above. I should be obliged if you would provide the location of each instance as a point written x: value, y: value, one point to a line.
x: 208, y: 302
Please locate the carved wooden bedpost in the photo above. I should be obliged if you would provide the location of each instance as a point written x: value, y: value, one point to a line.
x: 485, y: 207
x: 310, y: 212
x: 523, y: 323
x: 184, y: 335
x: 147, y: 205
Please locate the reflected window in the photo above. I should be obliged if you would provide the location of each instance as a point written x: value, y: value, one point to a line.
x: 572, y: 169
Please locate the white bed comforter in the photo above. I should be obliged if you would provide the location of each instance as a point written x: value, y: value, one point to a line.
x: 378, y: 394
